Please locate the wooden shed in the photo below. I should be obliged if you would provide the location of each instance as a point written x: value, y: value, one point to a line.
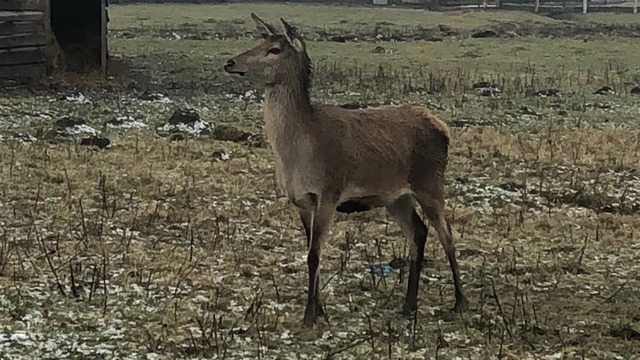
x: 40, y: 36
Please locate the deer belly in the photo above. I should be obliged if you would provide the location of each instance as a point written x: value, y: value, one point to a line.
x: 356, y: 199
x: 360, y: 204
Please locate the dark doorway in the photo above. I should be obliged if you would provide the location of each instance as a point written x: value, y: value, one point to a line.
x: 79, y: 27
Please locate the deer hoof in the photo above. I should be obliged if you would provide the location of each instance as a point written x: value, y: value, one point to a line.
x: 320, y: 309
x: 409, y: 309
x: 461, y: 304
x: 308, y: 322
x: 309, y: 316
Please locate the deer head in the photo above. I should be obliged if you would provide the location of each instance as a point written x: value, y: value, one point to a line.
x: 279, y: 59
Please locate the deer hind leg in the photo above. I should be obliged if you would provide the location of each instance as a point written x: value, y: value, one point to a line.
x: 433, y: 205
x: 404, y: 213
x: 305, y: 216
x: 317, y: 220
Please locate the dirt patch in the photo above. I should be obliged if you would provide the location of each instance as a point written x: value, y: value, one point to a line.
x: 626, y: 332
x: 547, y: 93
x: 185, y: 122
x: 96, y: 141
x: 483, y: 34
x: 231, y: 133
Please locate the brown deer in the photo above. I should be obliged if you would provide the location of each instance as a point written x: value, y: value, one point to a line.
x: 332, y: 159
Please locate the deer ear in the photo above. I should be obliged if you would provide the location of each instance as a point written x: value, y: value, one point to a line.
x: 293, y: 37
x: 264, y: 28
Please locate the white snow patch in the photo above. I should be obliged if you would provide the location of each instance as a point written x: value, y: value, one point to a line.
x: 78, y: 99
x: 19, y: 336
x: 195, y: 129
x: 158, y: 98
x: 127, y: 123
x: 21, y: 137
x: 81, y: 129
x: 125, y: 232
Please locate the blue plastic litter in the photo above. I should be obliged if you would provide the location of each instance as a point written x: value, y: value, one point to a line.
x: 381, y: 270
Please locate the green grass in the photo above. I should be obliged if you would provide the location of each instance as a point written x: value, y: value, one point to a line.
x: 323, y: 16
x: 609, y: 19
x: 562, y: 62
x: 520, y: 64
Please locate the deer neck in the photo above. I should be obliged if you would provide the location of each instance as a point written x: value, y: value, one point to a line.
x: 287, y: 110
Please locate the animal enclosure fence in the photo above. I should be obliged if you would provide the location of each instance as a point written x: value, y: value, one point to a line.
x: 584, y: 6
x: 546, y: 6
x: 533, y: 5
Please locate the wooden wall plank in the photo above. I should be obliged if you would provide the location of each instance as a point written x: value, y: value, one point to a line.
x: 29, y: 55
x: 22, y: 71
x: 50, y: 38
x: 23, y: 40
x: 23, y: 4
x: 20, y: 27
x: 21, y: 15
x: 103, y: 37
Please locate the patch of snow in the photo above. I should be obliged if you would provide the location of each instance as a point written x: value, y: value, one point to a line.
x: 114, y: 333
x: 19, y: 336
x: 158, y: 99
x: 125, y: 232
x: 21, y: 137
x: 25, y: 137
x: 250, y: 94
x: 81, y: 129
x: 221, y: 156
x: 200, y: 299
x: 194, y: 129
x: 555, y: 356
x: 485, y: 196
x: 127, y: 122
x: 78, y: 99
x: 34, y: 317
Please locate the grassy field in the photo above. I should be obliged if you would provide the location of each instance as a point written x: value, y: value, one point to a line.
x: 170, y: 245
x: 207, y: 16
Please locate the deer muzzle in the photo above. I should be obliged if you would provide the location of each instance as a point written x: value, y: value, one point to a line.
x: 231, y: 68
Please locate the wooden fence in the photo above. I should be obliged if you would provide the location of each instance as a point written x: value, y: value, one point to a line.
x: 24, y: 33
x: 583, y: 6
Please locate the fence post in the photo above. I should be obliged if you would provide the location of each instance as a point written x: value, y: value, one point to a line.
x: 584, y: 6
x: 635, y: 6
x: 536, y: 9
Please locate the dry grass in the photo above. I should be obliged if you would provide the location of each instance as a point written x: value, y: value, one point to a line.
x: 201, y: 258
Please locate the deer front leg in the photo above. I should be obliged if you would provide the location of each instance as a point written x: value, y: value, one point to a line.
x: 305, y: 216
x: 318, y: 221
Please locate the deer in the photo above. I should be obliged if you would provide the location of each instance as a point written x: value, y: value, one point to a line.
x: 332, y: 160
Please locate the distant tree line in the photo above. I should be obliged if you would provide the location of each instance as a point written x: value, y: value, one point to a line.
x: 238, y: 1
x: 168, y: 1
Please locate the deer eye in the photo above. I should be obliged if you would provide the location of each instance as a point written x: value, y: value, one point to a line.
x: 274, y: 51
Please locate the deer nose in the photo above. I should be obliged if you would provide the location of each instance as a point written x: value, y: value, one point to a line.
x: 229, y: 65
